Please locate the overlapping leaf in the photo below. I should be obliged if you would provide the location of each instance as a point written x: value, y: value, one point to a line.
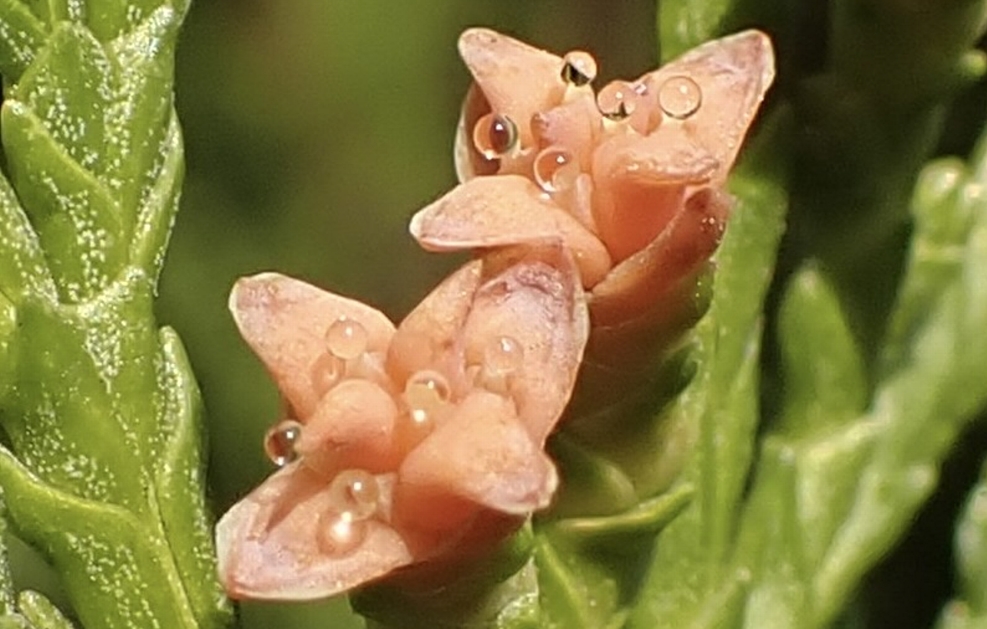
x: 104, y: 474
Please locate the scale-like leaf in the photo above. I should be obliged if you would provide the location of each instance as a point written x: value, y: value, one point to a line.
x: 104, y: 473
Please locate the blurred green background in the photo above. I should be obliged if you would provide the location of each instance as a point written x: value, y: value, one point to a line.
x: 314, y: 129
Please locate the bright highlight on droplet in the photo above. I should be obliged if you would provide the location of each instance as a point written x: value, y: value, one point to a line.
x: 680, y: 97
x: 425, y: 392
x: 616, y: 100
x: 579, y: 68
x: 279, y: 442
x: 502, y: 356
x: 354, y: 494
x: 346, y: 339
x: 340, y: 535
x: 555, y: 169
x: 495, y: 135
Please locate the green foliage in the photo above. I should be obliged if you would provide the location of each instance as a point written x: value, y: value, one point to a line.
x: 970, y: 610
x: 29, y: 610
x: 103, y: 471
x: 866, y: 413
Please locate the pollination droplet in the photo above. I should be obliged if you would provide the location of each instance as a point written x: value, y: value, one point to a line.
x: 495, y: 135
x: 354, y: 494
x: 339, y: 534
x: 555, y: 169
x: 279, y: 442
x: 425, y: 392
x: 579, y: 68
x: 327, y: 371
x: 680, y: 97
x: 616, y: 100
x: 503, y: 355
x: 346, y: 339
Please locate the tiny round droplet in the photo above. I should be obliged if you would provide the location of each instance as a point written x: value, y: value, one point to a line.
x: 327, y: 371
x: 495, y: 135
x: 346, y: 338
x: 503, y: 355
x: 579, y: 68
x: 425, y: 390
x: 354, y: 492
x: 338, y: 534
x: 616, y: 100
x: 680, y: 97
x: 555, y: 169
x: 279, y: 442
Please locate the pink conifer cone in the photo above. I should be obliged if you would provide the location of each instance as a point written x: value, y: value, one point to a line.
x: 421, y: 446
x: 631, y: 178
x: 402, y: 444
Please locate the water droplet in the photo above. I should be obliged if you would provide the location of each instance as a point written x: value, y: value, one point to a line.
x: 425, y: 393
x: 279, y: 442
x: 555, y: 169
x: 326, y: 373
x: 579, y: 68
x: 495, y: 135
x: 346, y: 339
x: 339, y: 534
x: 680, y: 97
x: 426, y: 389
x: 616, y: 100
x: 503, y: 355
x: 354, y: 493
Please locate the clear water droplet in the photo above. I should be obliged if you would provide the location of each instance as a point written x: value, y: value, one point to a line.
x: 326, y: 373
x: 617, y: 100
x: 426, y: 389
x: 279, y: 442
x: 354, y: 492
x: 503, y: 355
x: 346, y: 339
x: 495, y: 135
x: 425, y: 394
x: 555, y: 169
x: 579, y: 68
x: 680, y: 97
x: 339, y: 534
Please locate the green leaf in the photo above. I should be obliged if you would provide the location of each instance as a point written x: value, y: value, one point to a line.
x: 137, y: 123
x: 21, y: 37
x: 923, y: 405
x: 499, y: 590
x: 180, y: 479
x: 102, y: 416
x: 76, y: 218
x: 31, y: 610
x: 969, y: 609
x: 40, y: 613
x: 689, y: 575
x: 824, y: 381
x: 623, y: 530
x: 68, y: 88
x: 23, y: 268
x: 159, y: 205
x: 110, y: 19
x: 102, y: 552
